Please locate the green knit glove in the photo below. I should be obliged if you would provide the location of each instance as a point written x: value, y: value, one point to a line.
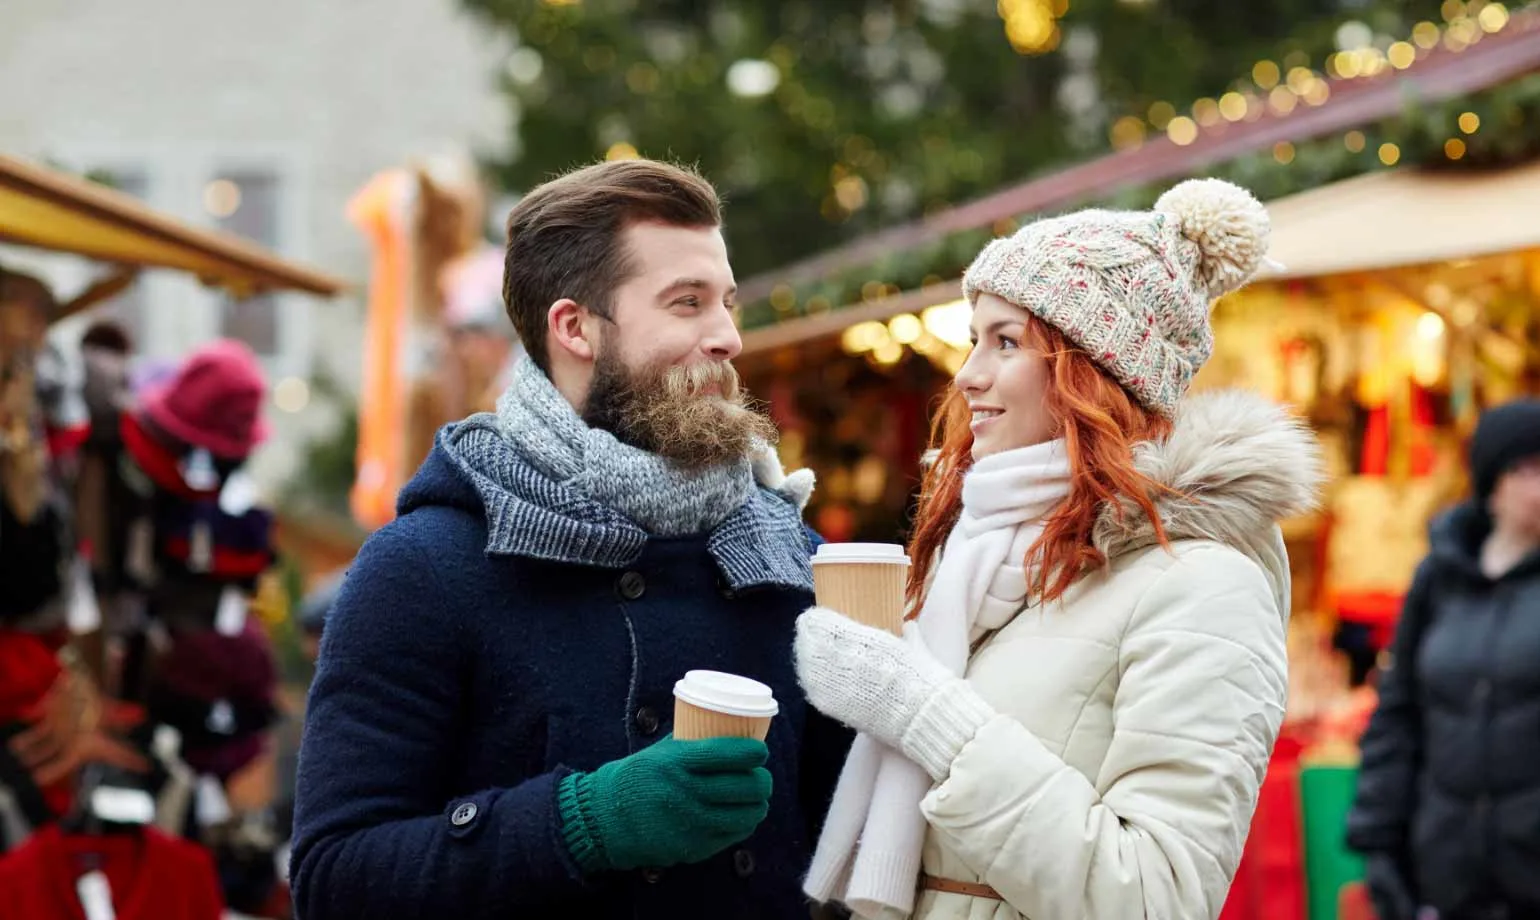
x: 674, y: 802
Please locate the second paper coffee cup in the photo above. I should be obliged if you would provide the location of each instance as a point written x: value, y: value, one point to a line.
x: 864, y: 581
x: 711, y: 704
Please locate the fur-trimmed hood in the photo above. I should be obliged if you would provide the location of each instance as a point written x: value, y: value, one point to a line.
x: 1235, y: 465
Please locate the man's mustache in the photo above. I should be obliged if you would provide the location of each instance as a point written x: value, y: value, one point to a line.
x: 704, y: 377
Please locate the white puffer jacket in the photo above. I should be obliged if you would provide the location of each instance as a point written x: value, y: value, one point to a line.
x: 1136, y: 716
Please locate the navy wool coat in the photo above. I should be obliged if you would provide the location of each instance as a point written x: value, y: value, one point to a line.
x: 466, y: 668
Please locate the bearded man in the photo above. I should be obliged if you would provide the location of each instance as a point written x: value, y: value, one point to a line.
x: 489, y: 731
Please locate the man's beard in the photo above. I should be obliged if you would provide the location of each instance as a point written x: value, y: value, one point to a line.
x: 694, y: 415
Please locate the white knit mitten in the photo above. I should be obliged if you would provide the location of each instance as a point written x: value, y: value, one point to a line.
x: 797, y: 487
x: 890, y: 688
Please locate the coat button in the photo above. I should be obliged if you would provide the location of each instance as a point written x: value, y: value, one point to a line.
x: 632, y: 585
x: 743, y: 863
x: 652, y: 876
x: 647, y: 721
x: 464, y: 814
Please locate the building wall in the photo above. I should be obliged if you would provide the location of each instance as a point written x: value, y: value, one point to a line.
x: 300, y: 101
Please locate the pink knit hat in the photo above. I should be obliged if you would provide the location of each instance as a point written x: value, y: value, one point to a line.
x: 1133, y: 288
x: 213, y: 401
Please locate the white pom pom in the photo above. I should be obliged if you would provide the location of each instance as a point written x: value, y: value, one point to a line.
x: 1229, y: 225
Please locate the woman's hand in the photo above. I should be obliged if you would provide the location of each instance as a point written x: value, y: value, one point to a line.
x: 891, y: 688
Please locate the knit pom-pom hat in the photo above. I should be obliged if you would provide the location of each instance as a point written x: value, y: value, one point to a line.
x: 1134, y: 288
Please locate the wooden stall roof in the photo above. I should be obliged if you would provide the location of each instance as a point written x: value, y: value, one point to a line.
x: 47, y: 209
x: 1406, y: 217
x: 1375, y: 222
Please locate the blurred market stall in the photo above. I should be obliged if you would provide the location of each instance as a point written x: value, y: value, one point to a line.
x: 138, y: 686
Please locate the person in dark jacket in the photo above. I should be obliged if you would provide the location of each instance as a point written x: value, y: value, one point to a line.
x: 489, y: 730
x: 312, y: 613
x: 1448, y: 807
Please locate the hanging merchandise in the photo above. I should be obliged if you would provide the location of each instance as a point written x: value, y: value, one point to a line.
x: 60, y: 385
x: 482, y: 342
x: 418, y: 221
x: 105, y: 860
x: 200, y: 548
x: 207, y: 562
x: 140, y: 874
x: 1464, y: 407
x: 29, y: 671
x: 198, y: 471
x: 1379, y: 531
x: 382, y: 212
x: 230, y: 618
x: 239, y: 494
x: 83, y: 614
x: 200, y: 538
x: 139, y: 554
x: 191, y: 433
x: 210, y: 804
x: 26, y: 305
x: 181, y: 519
x: 1303, y: 370
x: 174, y: 800
x: 34, y: 516
x: 213, y: 403
x: 151, y: 463
x: 220, y: 693
x: 246, y: 849
x: 1422, y: 426
x: 31, y: 553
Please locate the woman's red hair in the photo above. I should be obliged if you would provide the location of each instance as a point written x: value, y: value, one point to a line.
x: 1100, y: 423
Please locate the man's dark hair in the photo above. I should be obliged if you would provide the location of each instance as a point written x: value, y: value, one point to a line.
x: 564, y: 237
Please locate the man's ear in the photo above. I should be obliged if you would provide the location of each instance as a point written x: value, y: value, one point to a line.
x: 571, y: 328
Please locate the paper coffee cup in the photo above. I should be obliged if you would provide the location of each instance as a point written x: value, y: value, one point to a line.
x: 864, y: 581
x: 710, y: 704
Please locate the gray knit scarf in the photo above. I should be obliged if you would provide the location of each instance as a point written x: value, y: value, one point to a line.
x: 653, y: 493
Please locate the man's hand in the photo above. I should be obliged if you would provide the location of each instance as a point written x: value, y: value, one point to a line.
x: 674, y: 802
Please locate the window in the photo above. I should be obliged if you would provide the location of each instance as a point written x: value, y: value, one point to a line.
x: 246, y: 203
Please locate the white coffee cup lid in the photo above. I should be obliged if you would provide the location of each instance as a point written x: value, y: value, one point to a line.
x: 887, y: 553
x: 728, y: 694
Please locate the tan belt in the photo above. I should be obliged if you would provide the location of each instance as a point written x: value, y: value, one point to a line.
x: 971, y: 889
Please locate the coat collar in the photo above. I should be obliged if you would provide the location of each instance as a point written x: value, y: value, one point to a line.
x: 1233, y: 467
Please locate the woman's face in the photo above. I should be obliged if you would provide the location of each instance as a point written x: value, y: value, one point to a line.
x: 1004, y: 381
x: 1516, y: 499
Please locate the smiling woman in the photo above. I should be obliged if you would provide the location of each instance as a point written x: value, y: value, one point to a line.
x: 1084, y: 705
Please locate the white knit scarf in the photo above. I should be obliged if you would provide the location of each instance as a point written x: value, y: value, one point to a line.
x: 869, y: 853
